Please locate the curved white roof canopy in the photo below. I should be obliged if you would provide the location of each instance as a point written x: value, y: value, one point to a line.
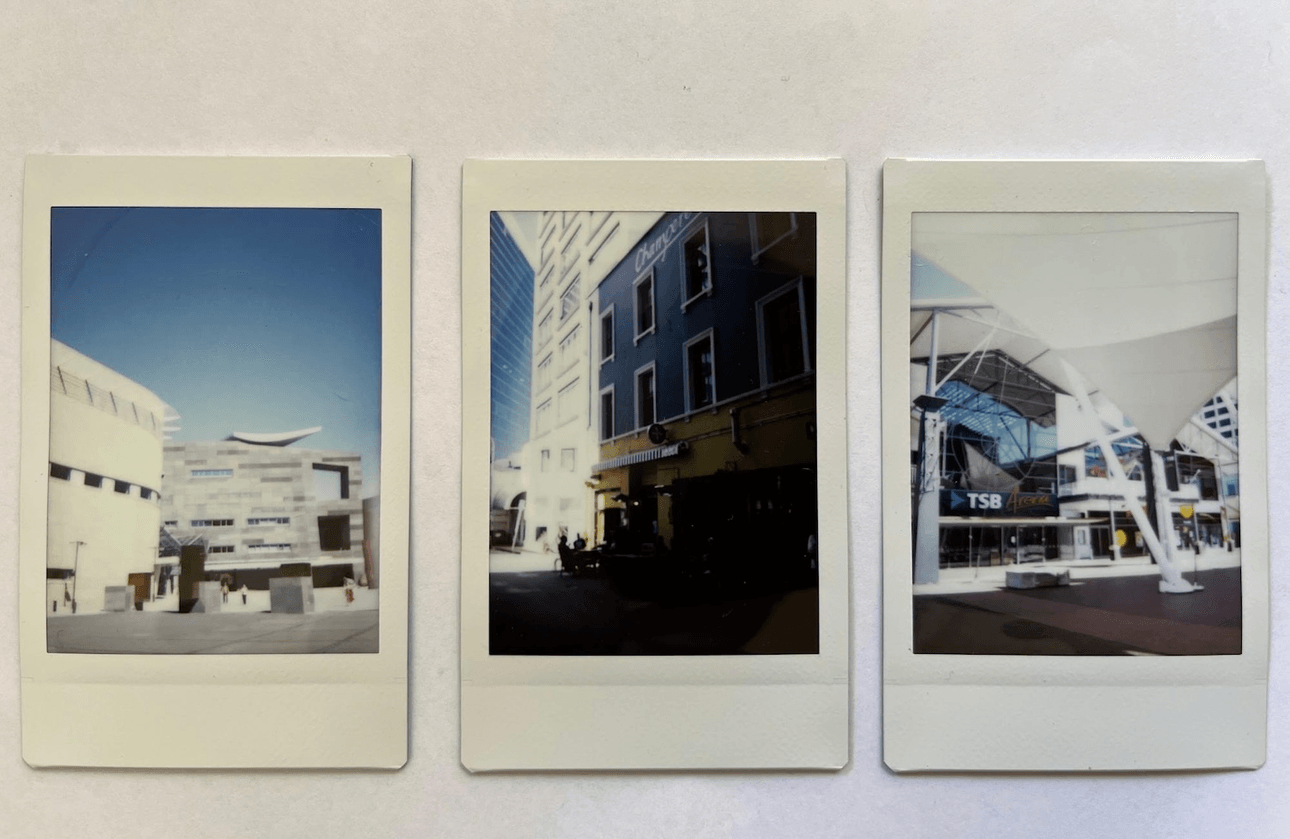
x: 280, y: 438
x: 1142, y: 304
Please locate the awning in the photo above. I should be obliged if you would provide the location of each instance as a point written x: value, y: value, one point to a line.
x: 644, y: 456
x: 1142, y: 304
x: 979, y: 521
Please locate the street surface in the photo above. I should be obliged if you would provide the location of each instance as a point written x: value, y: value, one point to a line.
x: 536, y: 611
x: 214, y: 634
x: 1112, y: 609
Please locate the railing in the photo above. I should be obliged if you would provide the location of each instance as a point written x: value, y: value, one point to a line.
x: 88, y: 393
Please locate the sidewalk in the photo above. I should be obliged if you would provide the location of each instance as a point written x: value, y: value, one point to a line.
x: 1113, y: 609
x: 219, y: 633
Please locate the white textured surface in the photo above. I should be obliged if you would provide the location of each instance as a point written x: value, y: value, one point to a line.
x: 447, y: 81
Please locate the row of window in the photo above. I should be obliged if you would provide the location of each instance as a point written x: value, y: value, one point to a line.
x: 212, y: 473
x: 64, y: 473
x: 784, y: 352
x: 229, y: 522
x: 568, y: 460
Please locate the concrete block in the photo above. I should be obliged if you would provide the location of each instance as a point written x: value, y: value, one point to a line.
x: 210, y: 594
x: 1038, y: 579
x: 291, y: 595
x: 118, y: 598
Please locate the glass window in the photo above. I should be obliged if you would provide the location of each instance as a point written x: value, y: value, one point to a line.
x: 568, y: 401
x: 607, y: 415
x: 92, y: 480
x: 544, y: 372
x: 769, y: 229
x: 645, y: 397
x: 212, y: 473
x: 698, y: 265
x: 645, y: 305
x: 783, y: 332
x: 546, y: 460
x: 58, y: 470
x: 567, y: 460
x: 569, y: 300
x: 607, y: 335
x: 544, y: 328
x: 544, y: 417
x: 698, y: 366
x: 569, y: 347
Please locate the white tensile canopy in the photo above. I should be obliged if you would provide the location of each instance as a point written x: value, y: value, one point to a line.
x: 1142, y: 304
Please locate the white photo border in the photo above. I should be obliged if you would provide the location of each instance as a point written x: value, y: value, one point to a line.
x: 645, y: 712
x: 146, y: 710
x: 1072, y: 713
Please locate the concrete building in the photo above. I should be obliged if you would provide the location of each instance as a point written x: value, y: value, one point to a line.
x: 705, y: 394
x: 267, y: 509
x: 576, y: 251
x: 105, y: 462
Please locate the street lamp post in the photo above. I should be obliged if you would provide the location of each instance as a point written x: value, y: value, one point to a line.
x: 76, y: 564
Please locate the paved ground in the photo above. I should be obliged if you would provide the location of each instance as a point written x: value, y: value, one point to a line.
x: 1121, y: 613
x: 214, y: 634
x: 540, y: 612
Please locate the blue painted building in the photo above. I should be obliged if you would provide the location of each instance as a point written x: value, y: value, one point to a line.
x: 705, y: 343
x: 512, y: 342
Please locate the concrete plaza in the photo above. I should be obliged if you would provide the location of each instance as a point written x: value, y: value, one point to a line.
x: 220, y: 633
x: 1110, y: 608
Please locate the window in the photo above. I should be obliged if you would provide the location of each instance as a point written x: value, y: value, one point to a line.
x: 92, y: 480
x: 698, y: 266
x: 546, y: 460
x: 700, y: 379
x: 212, y: 473
x: 211, y: 523
x: 569, y: 300
x: 644, y: 291
x: 269, y: 547
x: 331, y: 482
x: 769, y: 229
x: 544, y: 328
x: 567, y: 460
x: 122, y: 487
x: 269, y: 520
x: 607, y: 413
x: 645, y: 396
x: 333, y: 533
x: 544, y: 372
x: 220, y: 549
x: 59, y: 471
x: 569, y: 348
x: 781, y: 330
x: 568, y: 402
x: 171, y: 523
x: 607, y: 335
x: 543, y: 415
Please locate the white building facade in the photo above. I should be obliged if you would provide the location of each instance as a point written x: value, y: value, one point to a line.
x: 577, y: 249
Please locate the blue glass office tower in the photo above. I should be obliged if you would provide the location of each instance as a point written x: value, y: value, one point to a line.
x: 512, y: 342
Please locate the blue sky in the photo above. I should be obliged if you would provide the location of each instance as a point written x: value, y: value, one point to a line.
x: 240, y: 319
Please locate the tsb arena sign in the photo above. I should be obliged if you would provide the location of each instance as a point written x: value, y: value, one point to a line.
x: 963, y: 502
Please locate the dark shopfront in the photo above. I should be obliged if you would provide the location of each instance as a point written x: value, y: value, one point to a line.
x: 756, y: 525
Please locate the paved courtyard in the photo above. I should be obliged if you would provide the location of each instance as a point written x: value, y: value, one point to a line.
x: 214, y: 634
x: 1114, y: 609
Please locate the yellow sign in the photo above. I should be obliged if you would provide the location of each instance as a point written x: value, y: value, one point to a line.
x: 1186, y: 510
x: 1121, y: 538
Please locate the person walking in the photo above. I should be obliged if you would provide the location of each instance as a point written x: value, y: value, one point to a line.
x: 224, y: 590
x: 242, y: 590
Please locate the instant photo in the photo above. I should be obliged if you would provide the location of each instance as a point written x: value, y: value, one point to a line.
x: 1084, y: 517
x: 647, y: 506
x: 654, y: 468
x: 214, y: 473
